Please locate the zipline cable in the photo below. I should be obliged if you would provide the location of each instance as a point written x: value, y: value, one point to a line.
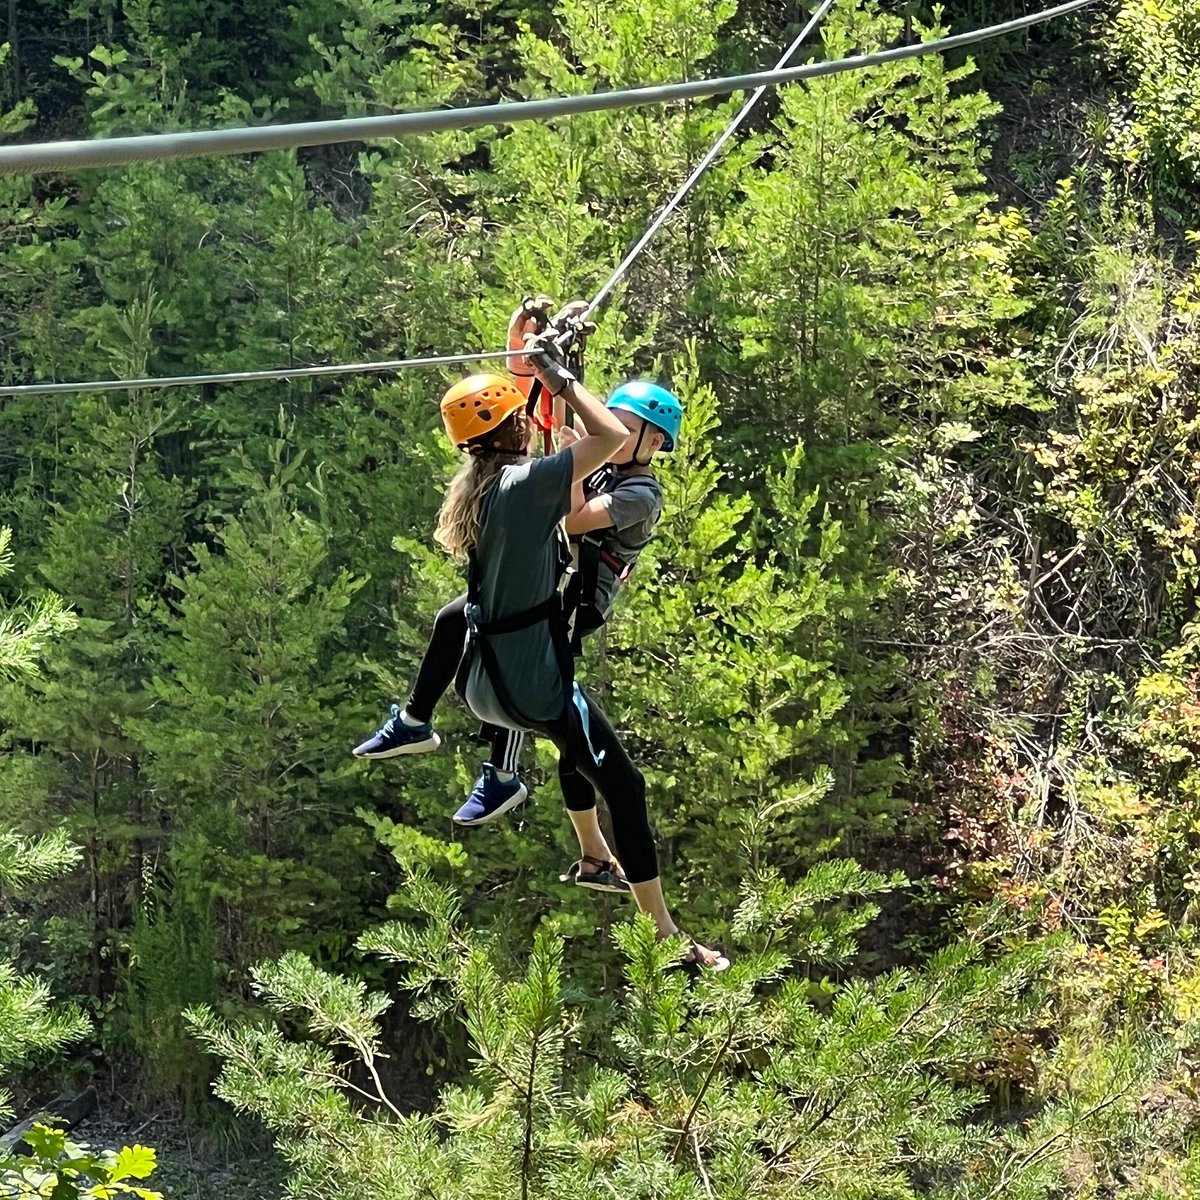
x: 761, y: 81
x: 169, y: 381
x: 705, y: 162
x: 158, y: 147
x: 110, y: 385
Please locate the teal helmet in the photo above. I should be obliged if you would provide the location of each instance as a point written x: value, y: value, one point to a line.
x: 652, y: 403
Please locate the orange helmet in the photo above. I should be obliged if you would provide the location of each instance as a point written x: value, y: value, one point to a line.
x: 477, y: 405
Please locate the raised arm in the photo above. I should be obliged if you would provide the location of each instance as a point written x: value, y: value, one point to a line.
x: 603, y: 432
x: 585, y: 515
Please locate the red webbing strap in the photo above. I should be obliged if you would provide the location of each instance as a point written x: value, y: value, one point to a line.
x: 571, y: 339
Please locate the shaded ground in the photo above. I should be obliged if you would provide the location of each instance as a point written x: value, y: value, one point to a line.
x: 194, y: 1164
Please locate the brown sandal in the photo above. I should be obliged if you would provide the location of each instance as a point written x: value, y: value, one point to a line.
x: 607, y: 876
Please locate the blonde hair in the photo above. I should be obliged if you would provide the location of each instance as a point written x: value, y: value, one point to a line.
x: 457, y: 528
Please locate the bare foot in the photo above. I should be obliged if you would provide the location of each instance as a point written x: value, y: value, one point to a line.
x: 698, y: 955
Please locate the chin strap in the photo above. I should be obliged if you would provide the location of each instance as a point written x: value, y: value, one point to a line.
x: 489, y: 449
x: 634, y: 461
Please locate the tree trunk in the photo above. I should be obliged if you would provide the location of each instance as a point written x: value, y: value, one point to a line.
x: 63, y: 1112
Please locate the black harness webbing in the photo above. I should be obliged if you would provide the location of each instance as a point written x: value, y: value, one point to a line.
x: 480, y: 633
x: 580, y: 605
x: 581, y: 608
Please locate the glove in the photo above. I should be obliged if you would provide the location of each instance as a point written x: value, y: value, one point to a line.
x: 571, y: 314
x: 543, y: 356
x: 528, y: 321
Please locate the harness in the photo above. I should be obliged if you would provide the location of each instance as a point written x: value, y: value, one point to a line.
x: 580, y: 606
x: 480, y: 633
x: 479, y: 641
x: 579, y: 600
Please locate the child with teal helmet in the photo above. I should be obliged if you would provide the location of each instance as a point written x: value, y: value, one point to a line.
x: 653, y: 404
x: 615, y: 510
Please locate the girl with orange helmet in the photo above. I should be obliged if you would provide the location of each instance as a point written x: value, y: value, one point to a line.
x: 503, y: 512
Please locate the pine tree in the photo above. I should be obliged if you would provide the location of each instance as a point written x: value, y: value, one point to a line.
x: 762, y: 1082
x: 248, y: 764
x: 30, y: 1021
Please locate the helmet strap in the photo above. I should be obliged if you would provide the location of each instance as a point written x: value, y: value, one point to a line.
x: 633, y: 460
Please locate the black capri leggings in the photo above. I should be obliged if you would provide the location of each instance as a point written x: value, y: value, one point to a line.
x: 616, y: 779
x: 442, y: 656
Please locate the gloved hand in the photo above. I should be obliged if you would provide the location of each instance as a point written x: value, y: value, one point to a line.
x: 528, y: 321
x: 570, y: 314
x: 545, y: 359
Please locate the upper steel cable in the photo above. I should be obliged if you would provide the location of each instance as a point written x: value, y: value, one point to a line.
x: 158, y: 147
x: 154, y: 147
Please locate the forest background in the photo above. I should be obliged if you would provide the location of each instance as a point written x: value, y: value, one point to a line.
x: 911, y: 666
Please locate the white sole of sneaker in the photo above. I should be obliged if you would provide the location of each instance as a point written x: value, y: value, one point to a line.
x: 518, y: 797
x: 430, y: 743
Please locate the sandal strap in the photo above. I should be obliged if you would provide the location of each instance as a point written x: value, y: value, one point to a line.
x: 604, y: 866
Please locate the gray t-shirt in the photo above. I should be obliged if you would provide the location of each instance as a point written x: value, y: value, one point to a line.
x: 635, y: 504
x: 518, y: 560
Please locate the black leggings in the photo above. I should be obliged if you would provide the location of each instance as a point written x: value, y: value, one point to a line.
x: 616, y: 778
x: 442, y: 656
x: 436, y: 674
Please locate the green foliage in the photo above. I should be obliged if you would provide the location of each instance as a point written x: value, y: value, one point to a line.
x: 923, y: 593
x: 171, y: 963
x: 1158, y: 44
x: 56, y: 1166
x: 746, y: 1084
x: 29, y: 1022
x: 28, y: 628
x: 25, y: 862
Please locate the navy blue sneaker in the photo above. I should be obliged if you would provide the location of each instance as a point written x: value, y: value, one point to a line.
x: 395, y: 737
x: 490, y: 798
